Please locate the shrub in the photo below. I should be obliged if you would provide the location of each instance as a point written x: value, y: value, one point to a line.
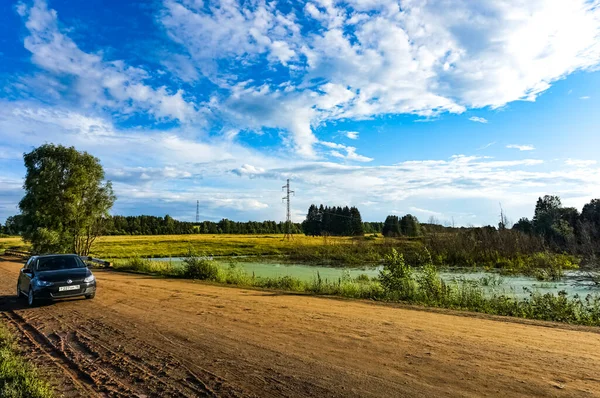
x: 195, y: 267
x: 396, y: 277
x: 431, y: 287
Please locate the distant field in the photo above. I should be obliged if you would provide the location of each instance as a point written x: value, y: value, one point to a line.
x: 17, y: 243
x: 216, y: 245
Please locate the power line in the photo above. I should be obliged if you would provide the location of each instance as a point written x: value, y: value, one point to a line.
x: 288, y: 219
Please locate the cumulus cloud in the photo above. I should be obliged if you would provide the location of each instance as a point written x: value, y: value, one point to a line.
x: 521, y: 147
x: 478, y: 119
x: 295, y: 68
x: 164, y: 172
x: 360, y: 59
x: 97, y: 82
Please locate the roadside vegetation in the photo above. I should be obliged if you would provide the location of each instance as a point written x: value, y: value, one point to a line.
x: 18, y: 378
x: 397, y: 282
x: 507, y: 251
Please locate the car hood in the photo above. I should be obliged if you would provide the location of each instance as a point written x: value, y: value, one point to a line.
x: 63, y: 274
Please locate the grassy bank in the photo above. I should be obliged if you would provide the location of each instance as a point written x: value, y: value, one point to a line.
x: 18, y: 378
x: 398, y: 282
x: 512, y: 254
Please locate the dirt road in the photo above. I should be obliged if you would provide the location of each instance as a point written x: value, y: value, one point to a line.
x: 143, y: 336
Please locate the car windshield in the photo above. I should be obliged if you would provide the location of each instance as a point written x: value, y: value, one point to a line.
x: 58, y: 263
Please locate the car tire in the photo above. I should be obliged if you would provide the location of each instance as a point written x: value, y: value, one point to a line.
x: 90, y: 296
x: 31, y: 298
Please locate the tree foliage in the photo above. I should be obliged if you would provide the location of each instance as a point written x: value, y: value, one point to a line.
x: 408, y: 225
x: 337, y: 221
x: 66, y: 199
x: 391, y: 226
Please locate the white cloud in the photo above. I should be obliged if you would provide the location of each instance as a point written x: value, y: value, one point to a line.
x: 350, y: 152
x: 486, y: 146
x: 521, y: 147
x: 374, y: 58
x: 580, y: 163
x: 425, y: 211
x: 167, y: 173
x: 353, y: 135
x: 585, y: 97
x: 97, y: 82
x: 478, y: 119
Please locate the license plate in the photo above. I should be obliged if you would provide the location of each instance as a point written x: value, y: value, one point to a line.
x: 63, y: 288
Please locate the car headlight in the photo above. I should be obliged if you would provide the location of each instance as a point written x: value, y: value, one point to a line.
x: 89, y: 279
x: 44, y: 283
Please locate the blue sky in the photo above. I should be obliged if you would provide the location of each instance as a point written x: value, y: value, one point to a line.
x: 442, y: 109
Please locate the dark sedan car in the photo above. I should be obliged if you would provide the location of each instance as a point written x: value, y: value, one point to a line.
x: 55, y: 276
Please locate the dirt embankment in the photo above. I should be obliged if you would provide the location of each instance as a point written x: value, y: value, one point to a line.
x: 143, y: 336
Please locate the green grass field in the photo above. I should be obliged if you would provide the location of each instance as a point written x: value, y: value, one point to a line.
x: 215, y: 245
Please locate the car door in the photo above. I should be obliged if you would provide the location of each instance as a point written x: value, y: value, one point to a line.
x: 24, y: 278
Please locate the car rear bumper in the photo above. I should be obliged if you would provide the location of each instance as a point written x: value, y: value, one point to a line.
x: 53, y: 293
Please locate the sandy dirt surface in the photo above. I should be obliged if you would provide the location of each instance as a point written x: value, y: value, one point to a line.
x: 147, y: 337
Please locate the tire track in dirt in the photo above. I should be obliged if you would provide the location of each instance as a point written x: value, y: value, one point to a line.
x: 80, y: 378
x: 112, y: 372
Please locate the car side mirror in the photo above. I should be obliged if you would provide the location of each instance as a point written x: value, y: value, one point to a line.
x: 27, y: 271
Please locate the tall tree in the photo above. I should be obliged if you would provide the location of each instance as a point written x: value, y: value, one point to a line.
x: 410, y: 226
x: 65, y: 199
x: 357, y: 227
x: 391, y: 226
x: 590, y: 217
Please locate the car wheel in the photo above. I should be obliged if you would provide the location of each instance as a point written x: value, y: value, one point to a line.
x: 30, y: 298
x: 18, y: 291
x: 90, y: 296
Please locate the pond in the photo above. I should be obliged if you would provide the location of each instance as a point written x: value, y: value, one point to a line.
x: 573, y: 282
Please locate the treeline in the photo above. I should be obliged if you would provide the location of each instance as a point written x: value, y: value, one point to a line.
x: 347, y: 221
x: 563, y: 228
x: 167, y: 225
x: 151, y: 225
x: 226, y: 226
x: 334, y: 221
x: 12, y: 226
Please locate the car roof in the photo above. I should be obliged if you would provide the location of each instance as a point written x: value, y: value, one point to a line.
x: 56, y: 255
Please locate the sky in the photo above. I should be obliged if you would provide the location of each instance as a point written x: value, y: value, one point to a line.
x: 448, y: 109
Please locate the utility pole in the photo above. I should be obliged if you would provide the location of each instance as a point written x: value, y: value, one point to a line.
x: 288, y: 219
x: 197, y: 212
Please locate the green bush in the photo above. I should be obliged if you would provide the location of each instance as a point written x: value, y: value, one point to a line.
x: 396, y: 278
x: 195, y: 267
